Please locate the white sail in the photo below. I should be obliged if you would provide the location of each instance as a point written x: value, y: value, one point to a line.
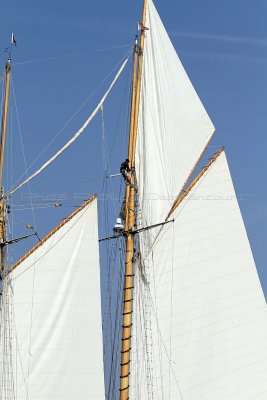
x: 206, y: 338
x: 57, y: 332
x: 173, y: 128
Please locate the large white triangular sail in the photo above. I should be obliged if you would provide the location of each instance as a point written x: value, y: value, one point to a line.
x: 201, y: 328
x: 56, y: 314
x: 173, y: 127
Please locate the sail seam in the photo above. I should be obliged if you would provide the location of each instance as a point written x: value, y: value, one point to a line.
x: 205, y: 169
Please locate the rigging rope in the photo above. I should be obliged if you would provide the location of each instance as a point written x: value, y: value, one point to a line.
x: 115, y: 276
x: 23, y: 152
x: 35, y: 229
x: 38, y: 60
x: 18, y: 349
x: 72, y: 117
x: 154, y: 310
x: 171, y: 311
x: 111, y: 323
x: 77, y: 134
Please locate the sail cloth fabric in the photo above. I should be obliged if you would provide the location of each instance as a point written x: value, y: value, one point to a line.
x: 173, y: 128
x: 208, y: 312
x: 57, y: 315
x: 77, y: 134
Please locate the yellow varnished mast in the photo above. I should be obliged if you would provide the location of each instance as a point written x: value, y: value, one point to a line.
x: 2, y: 153
x: 130, y: 217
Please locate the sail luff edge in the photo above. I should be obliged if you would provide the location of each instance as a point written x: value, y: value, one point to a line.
x: 194, y: 182
x: 191, y: 172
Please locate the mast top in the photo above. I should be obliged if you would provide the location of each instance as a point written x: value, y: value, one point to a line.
x: 9, y: 49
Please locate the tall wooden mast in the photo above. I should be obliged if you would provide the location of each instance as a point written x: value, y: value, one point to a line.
x: 130, y: 217
x: 2, y: 152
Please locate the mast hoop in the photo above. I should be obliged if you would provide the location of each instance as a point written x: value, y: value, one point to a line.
x: 128, y: 301
x: 125, y: 376
x: 126, y: 388
x: 128, y: 338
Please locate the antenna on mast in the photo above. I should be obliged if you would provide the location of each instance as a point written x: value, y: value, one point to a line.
x: 9, y: 49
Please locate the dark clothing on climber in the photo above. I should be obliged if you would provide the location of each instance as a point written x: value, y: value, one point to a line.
x: 124, y: 169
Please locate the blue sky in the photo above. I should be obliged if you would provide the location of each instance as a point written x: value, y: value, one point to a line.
x: 64, y: 52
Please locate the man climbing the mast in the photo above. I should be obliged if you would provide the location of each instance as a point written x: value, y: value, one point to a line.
x: 126, y: 171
